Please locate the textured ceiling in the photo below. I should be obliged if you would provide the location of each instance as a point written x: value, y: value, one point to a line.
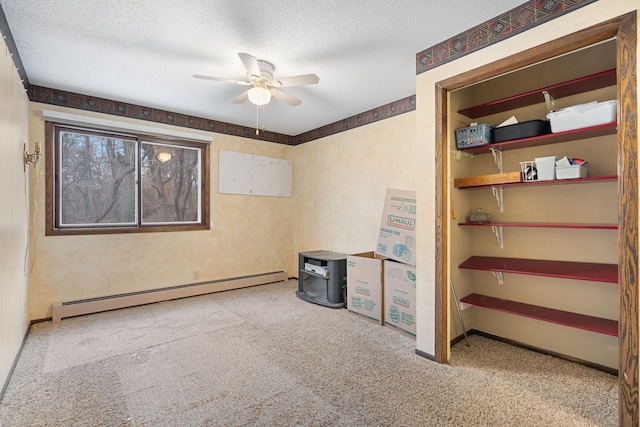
x: 145, y: 52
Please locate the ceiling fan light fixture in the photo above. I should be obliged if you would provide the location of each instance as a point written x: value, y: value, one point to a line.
x: 259, y: 95
x: 262, y: 84
x: 164, y: 156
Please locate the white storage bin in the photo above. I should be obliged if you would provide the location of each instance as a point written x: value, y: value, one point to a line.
x: 571, y: 172
x: 546, y: 167
x: 582, y: 116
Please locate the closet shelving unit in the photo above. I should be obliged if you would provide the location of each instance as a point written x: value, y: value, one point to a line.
x: 565, y: 318
x: 551, y: 138
x: 571, y: 87
x: 585, y: 271
x: 552, y: 182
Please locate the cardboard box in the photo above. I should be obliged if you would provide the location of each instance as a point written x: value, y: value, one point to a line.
x: 364, y: 285
x: 400, y: 296
x: 397, y: 236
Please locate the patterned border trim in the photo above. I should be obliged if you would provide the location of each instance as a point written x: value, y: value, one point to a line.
x: 12, y: 48
x: 383, y: 112
x: 123, y: 109
x: 515, y: 21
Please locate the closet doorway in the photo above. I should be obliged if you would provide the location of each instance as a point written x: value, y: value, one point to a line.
x: 622, y: 33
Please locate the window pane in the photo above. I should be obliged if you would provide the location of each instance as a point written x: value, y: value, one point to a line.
x: 170, y: 184
x: 97, y: 182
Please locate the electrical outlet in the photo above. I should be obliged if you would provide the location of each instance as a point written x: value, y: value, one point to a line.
x: 196, y: 274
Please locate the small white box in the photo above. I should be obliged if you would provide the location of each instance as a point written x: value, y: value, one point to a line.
x: 546, y: 167
x: 571, y: 172
x: 582, y: 116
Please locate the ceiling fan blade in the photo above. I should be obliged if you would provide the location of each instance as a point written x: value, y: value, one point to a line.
x: 242, y: 98
x: 251, y: 64
x: 284, y: 97
x: 220, y: 79
x: 306, y: 79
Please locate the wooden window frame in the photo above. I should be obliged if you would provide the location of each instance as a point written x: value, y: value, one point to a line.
x: 51, y: 168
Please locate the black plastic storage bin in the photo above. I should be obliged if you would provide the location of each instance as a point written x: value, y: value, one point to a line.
x: 520, y: 130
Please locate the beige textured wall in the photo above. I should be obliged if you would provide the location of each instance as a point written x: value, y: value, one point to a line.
x: 249, y: 235
x: 14, y: 127
x: 340, y: 183
x: 425, y: 90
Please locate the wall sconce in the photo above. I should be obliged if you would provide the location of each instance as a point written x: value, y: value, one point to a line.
x: 31, y: 158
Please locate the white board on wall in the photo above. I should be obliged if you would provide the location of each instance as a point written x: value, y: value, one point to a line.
x: 242, y: 173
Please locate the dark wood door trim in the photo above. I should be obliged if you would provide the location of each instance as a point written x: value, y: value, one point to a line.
x: 624, y: 28
x: 627, y: 94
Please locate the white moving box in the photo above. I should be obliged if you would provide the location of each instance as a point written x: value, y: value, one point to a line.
x: 364, y: 285
x: 397, y: 236
x: 400, y: 296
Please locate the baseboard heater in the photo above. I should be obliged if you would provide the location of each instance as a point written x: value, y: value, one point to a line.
x: 62, y: 310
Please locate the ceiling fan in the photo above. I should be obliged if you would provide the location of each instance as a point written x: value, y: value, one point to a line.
x: 260, y: 75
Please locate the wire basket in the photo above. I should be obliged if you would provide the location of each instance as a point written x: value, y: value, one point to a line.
x: 473, y: 136
x: 529, y: 171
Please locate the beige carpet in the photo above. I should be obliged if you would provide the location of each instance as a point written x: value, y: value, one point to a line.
x: 260, y: 356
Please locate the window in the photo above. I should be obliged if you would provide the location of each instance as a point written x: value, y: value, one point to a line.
x: 106, y: 182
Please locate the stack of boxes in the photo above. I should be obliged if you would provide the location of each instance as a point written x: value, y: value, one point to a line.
x: 381, y: 285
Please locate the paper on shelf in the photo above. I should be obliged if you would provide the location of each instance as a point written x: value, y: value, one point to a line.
x: 510, y: 121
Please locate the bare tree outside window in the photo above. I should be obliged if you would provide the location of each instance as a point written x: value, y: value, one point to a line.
x: 97, y: 179
x: 170, y: 189
x: 105, y: 182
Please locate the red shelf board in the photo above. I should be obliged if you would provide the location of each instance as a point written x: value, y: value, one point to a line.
x: 565, y: 318
x: 595, y: 272
x: 543, y: 225
x: 571, y: 87
x: 546, y: 139
x: 590, y: 179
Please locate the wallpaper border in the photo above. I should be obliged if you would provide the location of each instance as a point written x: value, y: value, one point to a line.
x: 515, y: 21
